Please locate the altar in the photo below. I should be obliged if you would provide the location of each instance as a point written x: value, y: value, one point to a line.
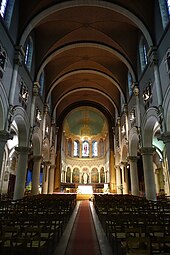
x: 84, y: 191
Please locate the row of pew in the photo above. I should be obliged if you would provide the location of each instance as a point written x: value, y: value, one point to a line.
x: 34, y: 224
x: 134, y: 225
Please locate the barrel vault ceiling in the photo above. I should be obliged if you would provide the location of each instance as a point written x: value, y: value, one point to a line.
x: 85, y: 49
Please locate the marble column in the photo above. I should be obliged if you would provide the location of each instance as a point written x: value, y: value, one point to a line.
x: 44, y: 119
x: 4, y: 137
x: 125, y: 179
x: 51, y: 179
x: 165, y: 137
x: 118, y: 180
x: 134, y: 175
x: 99, y: 176
x: 18, y: 59
x: 21, y: 172
x: 36, y: 175
x: 45, y: 177
x: 136, y: 94
x: 149, y: 176
x: 153, y: 57
x: 35, y: 93
x: 112, y: 172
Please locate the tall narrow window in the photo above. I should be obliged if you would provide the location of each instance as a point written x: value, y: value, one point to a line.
x: 130, y: 83
x: 165, y: 11
x: 143, y: 54
x: 76, y: 148
x: 29, y: 53
x: 94, y: 149
x: 6, y: 10
x: 85, y: 149
x: 41, y: 81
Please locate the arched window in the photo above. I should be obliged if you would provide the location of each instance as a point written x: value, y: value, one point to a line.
x: 122, y: 102
x: 85, y: 149
x: 130, y: 83
x: 143, y: 53
x: 165, y: 11
x: 76, y: 148
x: 69, y: 147
x: 101, y: 146
x: 94, y: 149
x: 6, y: 10
x: 41, y: 82
x: 29, y: 53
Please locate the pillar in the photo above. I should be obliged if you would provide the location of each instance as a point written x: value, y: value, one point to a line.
x: 125, y: 179
x: 112, y: 172
x: 21, y: 172
x: 134, y: 175
x: 36, y: 175
x: 45, y: 177
x: 149, y: 177
x: 165, y: 137
x: 36, y: 88
x: 44, y: 119
x: 154, y: 61
x: 18, y: 58
x: 51, y: 179
x: 137, y: 112
x: 118, y: 180
x: 4, y: 137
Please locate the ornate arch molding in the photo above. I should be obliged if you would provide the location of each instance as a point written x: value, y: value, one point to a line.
x: 92, y: 45
x: 133, y: 141
x: 37, y: 141
x: 23, y: 125
x: 77, y: 90
x: 148, y: 123
x: 60, y: 6
x: 166, y: 108
x: 3, y: 107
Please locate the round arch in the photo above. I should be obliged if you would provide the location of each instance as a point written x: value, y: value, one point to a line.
x: 133, y: 142
x: 91, y: 45
x: 60, y: 6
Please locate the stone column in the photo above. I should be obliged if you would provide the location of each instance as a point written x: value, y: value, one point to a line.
x: 149, y: 176
x: 44, y: 119
x: 154, y: 61
x: 90, y: 177
x: 105, y: 176
x: 125, y: 178
x: 4, y: 137
x: 99, y: 176
x: 134, y: 175
x: 36, y: 88
x: 136, y: 94
x: 45, y: 177
x: 165, y: 137
x: 126, y: 120
x: 118, y: 180
x: 112, y: 172
x: 18, y: 58
x: 51, y: 179
x: 119, y: 131
x: 71, y: 177
x: 21, y: 172
x: 36, y: 175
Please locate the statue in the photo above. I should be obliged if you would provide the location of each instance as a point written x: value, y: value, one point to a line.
x: 85, y: 178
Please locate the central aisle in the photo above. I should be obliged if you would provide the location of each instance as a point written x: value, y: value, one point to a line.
x: 83, y: 239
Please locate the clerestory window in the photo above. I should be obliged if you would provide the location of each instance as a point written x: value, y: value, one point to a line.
x: 6, y: 10
x: 143, y: 53
x: 165, y: 11
x: 29, y: 53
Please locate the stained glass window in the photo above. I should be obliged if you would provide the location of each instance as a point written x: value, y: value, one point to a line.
x: 85, y: 149
x: 94, y: 149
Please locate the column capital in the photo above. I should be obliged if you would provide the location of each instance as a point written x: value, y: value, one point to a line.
x: 147, y: 150
x: 133, y: 158
x: 152, y: 55
x: 123, y: 163
x: 19, y: 55
x: 22, y: 150
x: 136, y: 90
x: 5, y: 136
x: 36, y: 88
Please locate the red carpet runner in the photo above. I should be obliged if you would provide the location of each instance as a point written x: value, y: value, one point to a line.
x: 83, y: 239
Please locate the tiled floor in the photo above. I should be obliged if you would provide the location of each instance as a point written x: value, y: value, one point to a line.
x: 104, y: 244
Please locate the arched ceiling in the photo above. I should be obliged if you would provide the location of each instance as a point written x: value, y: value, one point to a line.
x: 86, y: 48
